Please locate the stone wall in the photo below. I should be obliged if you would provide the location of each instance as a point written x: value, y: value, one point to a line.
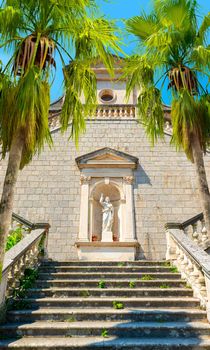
x: 164, y: 190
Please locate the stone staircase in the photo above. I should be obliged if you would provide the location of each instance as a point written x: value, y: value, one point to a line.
x: 105, y: 305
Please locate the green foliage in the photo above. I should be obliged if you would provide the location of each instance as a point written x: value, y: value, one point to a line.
x: 27, y: 113
x: 26, y: 282
x: 121, y: 264
x: 147, y: 278
x: 174, y: 269
x: 85, y: 293
x: 132, y: 284
x: 164, y: 286
x: 71, y: 319
x: 102, y: 284
x: 118, y: 305
x: 104, y: 333
x: 188, y: 286
x: 174, y: 50
x: 13, y: 238
x: 190, y: 115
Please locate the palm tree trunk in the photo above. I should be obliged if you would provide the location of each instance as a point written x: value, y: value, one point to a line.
x: 202, y: 179
x: 7, y: 199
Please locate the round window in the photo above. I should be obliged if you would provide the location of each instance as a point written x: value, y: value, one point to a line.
x: 106, y: 96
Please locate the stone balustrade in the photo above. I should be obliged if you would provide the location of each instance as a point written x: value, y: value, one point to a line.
x: 25, y: 254
x: 115, y: 112
x: 195, y: 229
x: 118, y: 112
x: 191, y: 261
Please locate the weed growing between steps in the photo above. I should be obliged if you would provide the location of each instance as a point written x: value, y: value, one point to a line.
x: 174, y: 269
x: 147, y: 278
x: 121, y: 264
x: 132, y: 284
x: 85, y: 293
x: 117, y: 305
x: 71, y: 319
x: 164, y: 286
x: 104, y: 333
x: 15, y: 302
x: 102, y: 284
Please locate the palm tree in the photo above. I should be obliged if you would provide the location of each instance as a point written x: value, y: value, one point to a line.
x: 34, y: 31
x: 173, y: 48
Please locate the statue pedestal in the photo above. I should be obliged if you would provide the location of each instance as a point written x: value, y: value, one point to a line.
x: 107, y: 251
x: 107, y: 236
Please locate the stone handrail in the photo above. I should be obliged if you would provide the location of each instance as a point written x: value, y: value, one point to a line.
x: 25, y: 254
x: 27, y: 224
x: 192, y: 262
x: 194, y: 228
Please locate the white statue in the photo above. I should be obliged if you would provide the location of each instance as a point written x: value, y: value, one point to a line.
x: 108, y: 214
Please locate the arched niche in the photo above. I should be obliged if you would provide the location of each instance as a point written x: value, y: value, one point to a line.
x: 112, y: 191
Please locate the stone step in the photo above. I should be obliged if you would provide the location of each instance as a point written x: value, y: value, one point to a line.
x: 108, y: 314
x: 115, y: 292
x: 89, y: 302
x: 98, y: 275
x: 110, y: 283
x: 105, y: 263
x: 102, y: 269
x: 111, y: 343
x: 118, y: 329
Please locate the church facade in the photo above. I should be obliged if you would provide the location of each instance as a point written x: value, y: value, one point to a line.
x: 146, y: 186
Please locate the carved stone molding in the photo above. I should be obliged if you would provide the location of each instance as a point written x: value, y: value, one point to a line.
x: 128, y: 180
x: 85, y: 179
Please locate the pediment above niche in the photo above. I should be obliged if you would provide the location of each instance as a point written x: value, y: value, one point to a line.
x: 107, y: 158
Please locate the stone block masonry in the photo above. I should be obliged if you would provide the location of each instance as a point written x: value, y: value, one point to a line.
x: 164, y: 189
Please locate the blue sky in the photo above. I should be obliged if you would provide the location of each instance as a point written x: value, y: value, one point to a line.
x: 118, y: 10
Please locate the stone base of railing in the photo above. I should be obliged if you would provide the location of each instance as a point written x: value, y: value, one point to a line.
x: 26, y: 254
x: 192, y: 262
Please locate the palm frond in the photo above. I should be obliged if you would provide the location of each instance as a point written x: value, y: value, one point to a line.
x: 150, y: 112
x: 204, y: 29
x: 21, y: 110
x: 201, y: 57
x: 137, y: 71
x: 10, y: 19
x: 80, y: 96
x: 96, y: 39
x: 142, y: 26
x: 177, y: 13
x: 190, y: 116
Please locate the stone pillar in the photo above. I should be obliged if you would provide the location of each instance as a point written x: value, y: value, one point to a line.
x: 129, y: 235
x: 84, y: 212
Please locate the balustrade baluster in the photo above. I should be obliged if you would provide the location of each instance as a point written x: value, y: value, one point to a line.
x: 195, y: 234
x: 204, y: 231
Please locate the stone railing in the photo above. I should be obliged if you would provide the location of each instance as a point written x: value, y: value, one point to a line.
x: 195, y: 229
x: 25, y: 254
x: 118, y: 112
x: 102, y: 112
x: 191, y: 261
x: 115, y: 112
x: 27, y: 226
